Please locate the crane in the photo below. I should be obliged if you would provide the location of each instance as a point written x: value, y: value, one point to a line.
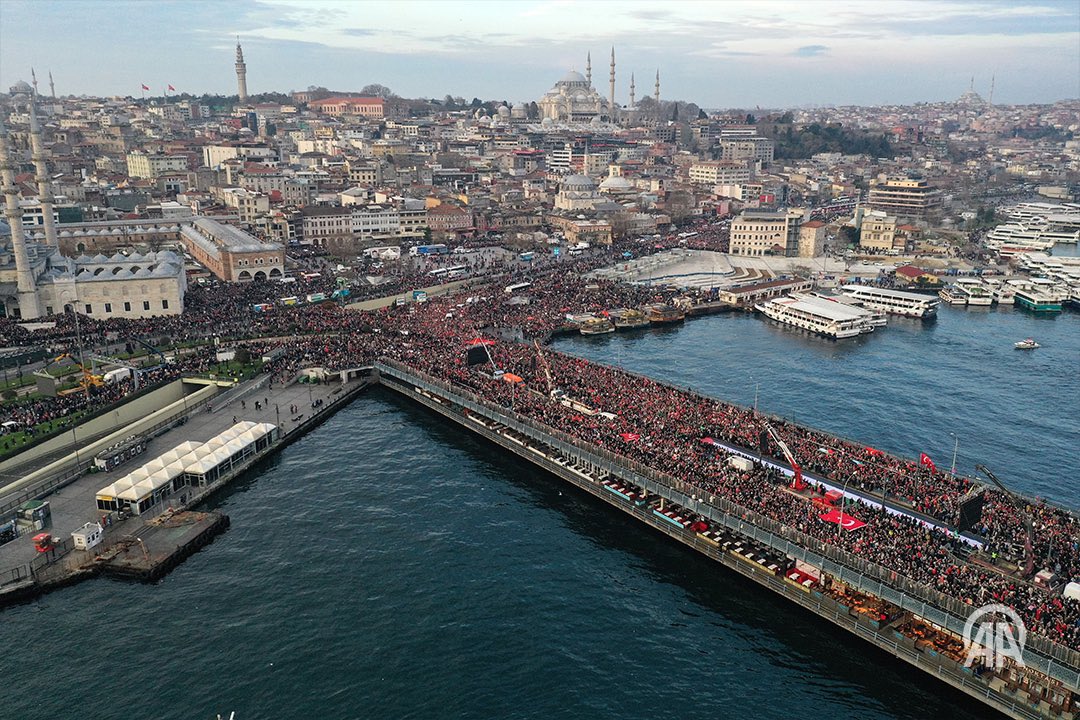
x: 1021, y: 506
x: 89, y: 378
x: 135, y: 369
x: 797, y: 483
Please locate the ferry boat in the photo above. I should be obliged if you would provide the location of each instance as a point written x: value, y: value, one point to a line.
x: 1037, y: 300
x: 953, y: 295
x: 817, y: 315
x: 894, y: 302
x: 877, y: 318
x: 1028, y: 344
x: 596, y: 326
x: 664, y: 314
x: 1001, y: 291
x: 628, y: 319
x: 977, y: 293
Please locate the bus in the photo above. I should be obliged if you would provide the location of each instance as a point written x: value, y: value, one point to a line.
x: 262, y: 307
x: 291, y: 300
x: 526, y: 256
x: 517, y: 286
x: 452, y: 271
x: 439, y: 249
x: 310, y: 275
x: 316, y: 297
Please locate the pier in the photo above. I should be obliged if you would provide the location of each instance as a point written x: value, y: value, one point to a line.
x: 147, y: 546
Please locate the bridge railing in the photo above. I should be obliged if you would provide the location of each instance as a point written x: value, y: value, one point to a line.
x: 1052, y: 658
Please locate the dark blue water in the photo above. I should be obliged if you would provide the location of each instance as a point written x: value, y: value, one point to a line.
x: 388, y: 565
x: 904, y: 388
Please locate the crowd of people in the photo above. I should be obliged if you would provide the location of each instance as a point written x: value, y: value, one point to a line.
x: 655, y: 424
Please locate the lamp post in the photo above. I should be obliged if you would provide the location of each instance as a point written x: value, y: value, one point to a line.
x: 956, y: 448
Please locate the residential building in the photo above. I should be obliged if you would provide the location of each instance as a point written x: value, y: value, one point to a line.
x: 906, y: 199
x: 720, y: 173
x: 878, y: 232
x: 143, y: 165
x: 758, y: 233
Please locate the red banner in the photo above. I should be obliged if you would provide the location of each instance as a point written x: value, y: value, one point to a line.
x: 630, y: 437
x: 843, y: 520
x: 925, y: 460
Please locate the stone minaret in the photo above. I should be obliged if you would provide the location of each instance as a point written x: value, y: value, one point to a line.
x: 41, y: 175
x: 241, y: 73
x: 611, y: 100
x: 588, y: 67
x: 632, y: 91
x: 25, y: 284
x: 52, y: 86
x: 33, y: 79
x: 656, y: 94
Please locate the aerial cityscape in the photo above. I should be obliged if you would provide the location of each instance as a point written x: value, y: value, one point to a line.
x: 540, y: 359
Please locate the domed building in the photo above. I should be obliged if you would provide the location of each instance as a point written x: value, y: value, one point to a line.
x: 577, y: 192
x: 573, y: 99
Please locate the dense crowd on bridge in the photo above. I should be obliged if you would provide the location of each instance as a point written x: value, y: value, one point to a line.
x: 655, y: 424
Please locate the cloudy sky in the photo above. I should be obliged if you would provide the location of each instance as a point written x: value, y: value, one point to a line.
x: 768, y: 53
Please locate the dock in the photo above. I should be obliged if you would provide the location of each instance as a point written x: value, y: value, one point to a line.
x: 146, y: 547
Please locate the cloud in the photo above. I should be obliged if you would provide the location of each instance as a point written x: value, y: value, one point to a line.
x: 811, y: 51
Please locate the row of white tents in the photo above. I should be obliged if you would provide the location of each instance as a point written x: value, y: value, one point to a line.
x: 188, y: 464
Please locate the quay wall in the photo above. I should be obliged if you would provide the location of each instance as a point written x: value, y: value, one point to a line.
x: 1049, y: 658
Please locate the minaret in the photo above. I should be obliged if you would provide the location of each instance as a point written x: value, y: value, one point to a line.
x: 991, y: 100
x: 632, y: 106
x: 656, y: 94
x: 52, y: 86
x: 588, y: 67
x: 24, y: 275
x: 41, y: 175
x: 611, y: 101
x: 241, y: 73
x: 33, y: 79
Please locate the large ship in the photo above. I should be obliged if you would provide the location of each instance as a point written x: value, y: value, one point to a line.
x: 818, y: 315
x: 878, y: 318
x: 661, y: 314
x: 894, y: 302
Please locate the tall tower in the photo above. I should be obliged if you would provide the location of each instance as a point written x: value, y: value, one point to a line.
x: 41, y: 175
x: 33, y: 79
x: 611, y: 100
x: 241, y: 73
x: 991, y: 100
x: 588, y: 67
x: 632, y: 91
x: 656, y: 93
x: 52, y: 86
x: 24, y: 275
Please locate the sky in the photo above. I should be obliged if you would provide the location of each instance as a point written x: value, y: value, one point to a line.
x: 765, y: 53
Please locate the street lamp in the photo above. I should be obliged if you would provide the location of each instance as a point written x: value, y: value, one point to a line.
x: 956, y: 448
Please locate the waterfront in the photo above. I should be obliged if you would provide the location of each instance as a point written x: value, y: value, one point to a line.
x: 903, y: 388
x: 414, y: 571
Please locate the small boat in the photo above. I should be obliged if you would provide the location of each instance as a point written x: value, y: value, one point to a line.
x: 596, y: 326
x: 1028, y: 344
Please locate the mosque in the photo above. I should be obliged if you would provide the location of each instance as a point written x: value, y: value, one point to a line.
x: 573, y: 99
x: 37, y: 280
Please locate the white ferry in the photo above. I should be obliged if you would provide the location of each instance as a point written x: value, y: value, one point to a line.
x: 818, y: 315
x: 894, y: 302
x: 953, y: 295
x: 878, y: 318
x: 977, y: 292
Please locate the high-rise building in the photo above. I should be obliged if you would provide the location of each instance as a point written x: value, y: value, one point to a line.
x: 906, y: 199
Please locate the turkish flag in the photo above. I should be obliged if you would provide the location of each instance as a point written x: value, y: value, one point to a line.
x: 925, y: 460
x: 172, y: 88
x: 843, y: 520
x: 144, y: 87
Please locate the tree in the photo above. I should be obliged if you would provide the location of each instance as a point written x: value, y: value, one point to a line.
x: 750, y: 119
x: 379, y: 91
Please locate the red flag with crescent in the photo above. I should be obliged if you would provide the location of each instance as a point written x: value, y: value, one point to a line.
x: 924, y: 459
